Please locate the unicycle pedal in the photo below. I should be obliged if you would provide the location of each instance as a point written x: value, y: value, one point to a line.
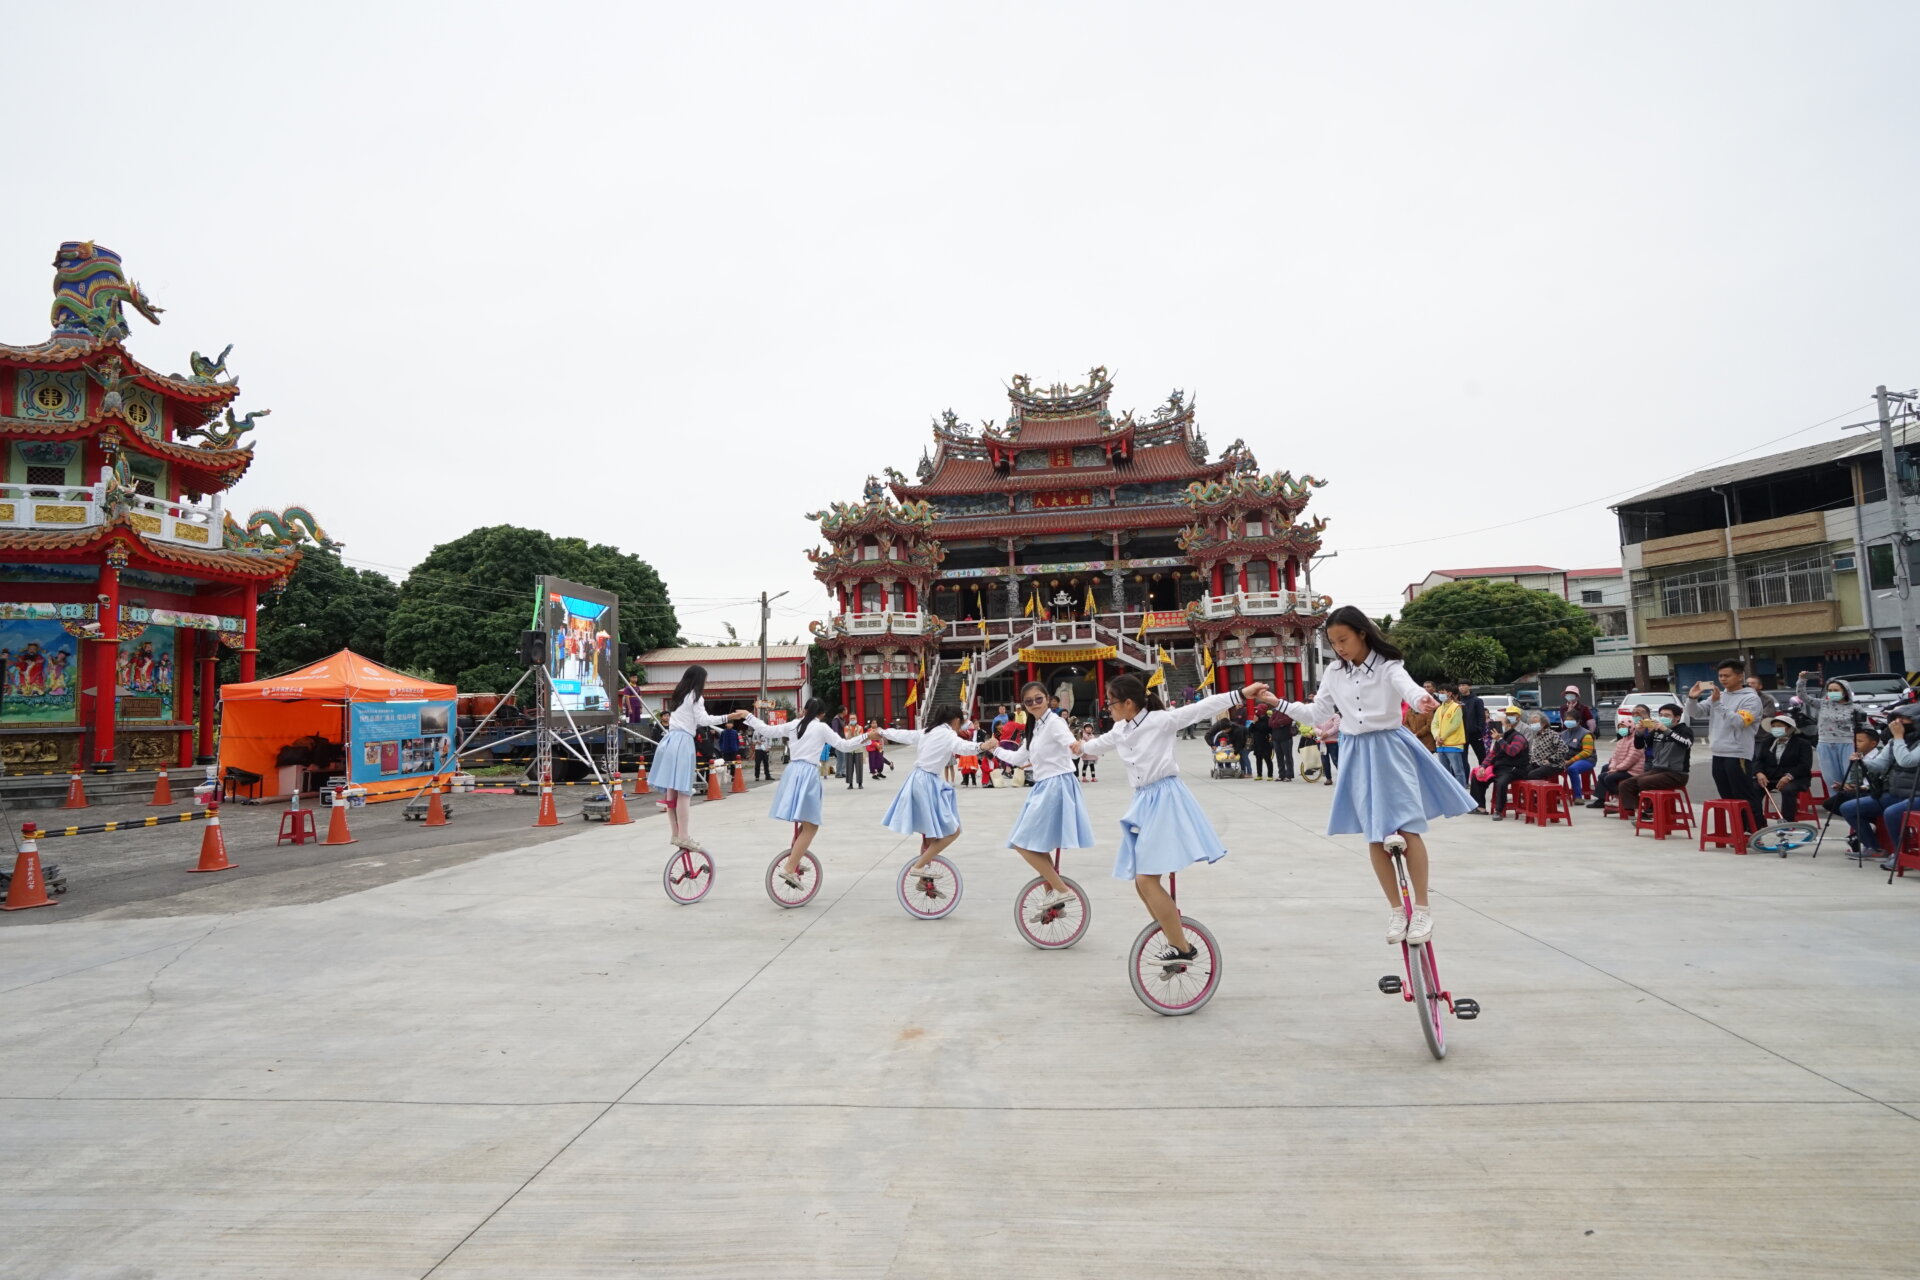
x: 1466, y: 1010
x: 1390, y: 985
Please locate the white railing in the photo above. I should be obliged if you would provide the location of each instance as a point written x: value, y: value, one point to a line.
x: 1253, y: 604
x: 24, y: 506
x: 892, y: 622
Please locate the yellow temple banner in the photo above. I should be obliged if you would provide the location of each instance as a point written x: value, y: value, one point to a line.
x: 1101, y: 654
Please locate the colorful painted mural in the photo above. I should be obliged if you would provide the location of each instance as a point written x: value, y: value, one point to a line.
x: 144, y: 680
x: 42, y: 665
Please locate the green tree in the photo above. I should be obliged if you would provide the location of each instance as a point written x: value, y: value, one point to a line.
x: 823, y: 673
x: 1536, y: 629
x: 327, y: 606
x: 1473, y: 659
x: 461, y: 610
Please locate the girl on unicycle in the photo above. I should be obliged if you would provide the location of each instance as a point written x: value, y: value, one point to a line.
x: 797, y: 800
x: 1388, y: 782
x: 673, y: 762
x: 1055, y: 815
x: 925, y: 805
x: 1164, y: 830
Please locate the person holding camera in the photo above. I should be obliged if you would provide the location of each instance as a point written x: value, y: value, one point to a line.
x: 1732, y: 712
x: 1898, y: 761
x: 1669, y: 757
x: 1835, y: 719
x: 1858, y: 784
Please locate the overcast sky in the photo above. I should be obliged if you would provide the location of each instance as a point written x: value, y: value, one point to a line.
x: 670, y: 276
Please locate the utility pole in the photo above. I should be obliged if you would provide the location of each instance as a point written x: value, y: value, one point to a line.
x: 1896, y: 506
x: 765, y: 601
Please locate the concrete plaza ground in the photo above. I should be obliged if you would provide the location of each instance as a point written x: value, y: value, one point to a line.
x: 531, y: 1064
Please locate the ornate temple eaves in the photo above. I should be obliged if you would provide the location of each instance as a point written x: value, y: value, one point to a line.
x: 95, y: 540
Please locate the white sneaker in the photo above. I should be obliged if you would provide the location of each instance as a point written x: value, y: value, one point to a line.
x: 1396, y: 925
x: 1422, y: 927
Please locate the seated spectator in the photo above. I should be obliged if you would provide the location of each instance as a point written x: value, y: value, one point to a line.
x: 1581, y: 756
x: 1547, y: 752
x: 1669, y: 757
x: 1898, y: 761
x: 1858, y: 783
x: 1505, y: 763
x: 1785, y: 764
x: 1629, y: 758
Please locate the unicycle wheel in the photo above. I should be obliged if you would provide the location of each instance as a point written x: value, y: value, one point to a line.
x: 1182, y: 986
x: 1429, y: 1002
x: 931, y: 891
x: 1784, y: 838
x: 688, y: 876
x: 1054, y: 927
x: 788, y: 895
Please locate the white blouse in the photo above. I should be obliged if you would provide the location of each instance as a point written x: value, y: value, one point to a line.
x: 691, y: 716
x: 806, y: 747
x: 1366, y: 697
x: 1050, y: 752
x: 1145, y: 743
x: 938, y: 746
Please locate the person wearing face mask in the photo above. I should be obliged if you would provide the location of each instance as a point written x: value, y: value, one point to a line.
x: 1571, y: 708
x: 1835, y: 719
x: 1669, y: 757
x: 1629, y: 758
x: 1581, y: 756
x: 1505, y: 764
x: 1546, y: 749
x: 1784, y: 764
x: 1449, y: 729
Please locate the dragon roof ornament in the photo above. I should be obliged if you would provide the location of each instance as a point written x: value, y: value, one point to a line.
x: 840, y: 518
x: 89, y: 288
x: 1061, y: 398
x: 1280, y: 487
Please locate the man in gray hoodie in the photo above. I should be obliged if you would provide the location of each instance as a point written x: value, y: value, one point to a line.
x: 1732, y: 712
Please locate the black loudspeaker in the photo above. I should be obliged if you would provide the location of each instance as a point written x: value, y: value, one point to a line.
x: 533, y: 648
x: 624, y: 656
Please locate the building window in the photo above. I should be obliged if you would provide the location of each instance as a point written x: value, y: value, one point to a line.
x: 1801, y: 580
x: 46, y: 475
x: 1590, y: 597
x: 1703, y: 592
x: 1880, y: 566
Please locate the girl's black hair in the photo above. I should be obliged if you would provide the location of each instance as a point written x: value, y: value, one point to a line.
x: 1355, y: 619
x: 815, y: 709
x: 692, y: 681
x: 1033, y: 721
x: 1128, y: 688
x: 945, y: 713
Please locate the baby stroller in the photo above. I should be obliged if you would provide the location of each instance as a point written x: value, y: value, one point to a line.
x: 1226, y: 764
x: 1306, y: 755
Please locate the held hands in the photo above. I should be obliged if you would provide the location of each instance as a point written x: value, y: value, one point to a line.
x: 1076, y: 747
x: 1426, y: 706
x: 1254, y: 693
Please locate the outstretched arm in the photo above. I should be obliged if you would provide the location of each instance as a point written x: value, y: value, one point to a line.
x: 905, y: 737
x: 758, y: 725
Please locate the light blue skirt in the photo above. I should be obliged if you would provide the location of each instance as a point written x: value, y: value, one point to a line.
x: 1388, y: 782
x: 798, y: 797
x: 673, y: 762
x: 1054, y: 817
x: 1164, y: 830
x: 924, y: 806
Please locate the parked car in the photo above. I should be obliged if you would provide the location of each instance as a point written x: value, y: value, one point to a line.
x: 1873, y: 690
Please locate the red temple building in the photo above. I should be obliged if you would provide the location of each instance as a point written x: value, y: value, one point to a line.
x: 122, y: 577
x: 1068, y: 545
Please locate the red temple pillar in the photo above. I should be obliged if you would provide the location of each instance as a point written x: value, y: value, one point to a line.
x: 860, y: 700
x: 913, y: 598
x: 1033, y: 673
x: 248, y: 653
x: 1243, y: 577
x: 101, y: 661
x: 209, y: 658
x: 846, y: 694
x: 1293, y: 565
x: 1219, y: 578
x: 183, y: 690
x: 1100, y: 683
x: 1247, y: 669
x: 886, y: 701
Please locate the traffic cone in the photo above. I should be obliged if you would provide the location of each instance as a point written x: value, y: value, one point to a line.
x: 713, y: 783
x: 29, y: 887
x: 640, y: 787
x: 549, y: 817
x: 739, y: 780
x: 213, y: 845
x: 162, y: 792
x: 436, y: 811
x: 337, y: 830
x: 617, y: 813
x: 76, y: 792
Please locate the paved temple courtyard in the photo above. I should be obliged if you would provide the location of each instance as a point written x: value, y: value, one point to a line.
x: 532, y: 1064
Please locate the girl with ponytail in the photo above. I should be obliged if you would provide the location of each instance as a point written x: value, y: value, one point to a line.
x: 1055, y: 814
x: 798, y: 798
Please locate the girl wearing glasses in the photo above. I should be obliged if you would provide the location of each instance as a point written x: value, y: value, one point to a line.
x: 1055, y: 815
x: 1164, y: 830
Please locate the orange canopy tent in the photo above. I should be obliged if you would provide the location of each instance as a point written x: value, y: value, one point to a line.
x: 260, y: 718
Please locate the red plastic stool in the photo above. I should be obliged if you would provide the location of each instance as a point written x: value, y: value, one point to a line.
x: 296, y: 826
x: 1552, y: 802
x: 1662, y: 812
x: 1817, y: 780
x: 1733, y: 828
x: 1519, y: 803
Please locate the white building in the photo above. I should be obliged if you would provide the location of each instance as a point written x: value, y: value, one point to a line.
x: 733, y: 674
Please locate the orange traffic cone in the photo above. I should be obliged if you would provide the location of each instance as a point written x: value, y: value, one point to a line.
x: 640, y: 787
x: 436, y: 811
x: 713, y: 782
x: 76, y: 793
x: 549, y: 817
x: 337, y: 829
x: 739, y: 780
x: 162, y: 792
x: 29, y: 886
x: 617, y: 813
x: 213, y: 845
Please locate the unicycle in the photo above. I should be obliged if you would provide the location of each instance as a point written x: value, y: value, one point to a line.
x: 1422, y: 987
x: 1783, y: 835
x: 790, y: 895
x: 933, y: 890
x: 1055, y: 926
x: 688, y: 876
x: 1174, y: 987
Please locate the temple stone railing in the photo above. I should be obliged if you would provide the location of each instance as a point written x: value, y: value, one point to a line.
x: 55, y: 507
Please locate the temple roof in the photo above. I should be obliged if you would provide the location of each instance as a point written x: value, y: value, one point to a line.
x: 226, y: 465
x: 1149, y: 466
x: 197, y: 397
x: 92, y: 540
x: 1070, y: 520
